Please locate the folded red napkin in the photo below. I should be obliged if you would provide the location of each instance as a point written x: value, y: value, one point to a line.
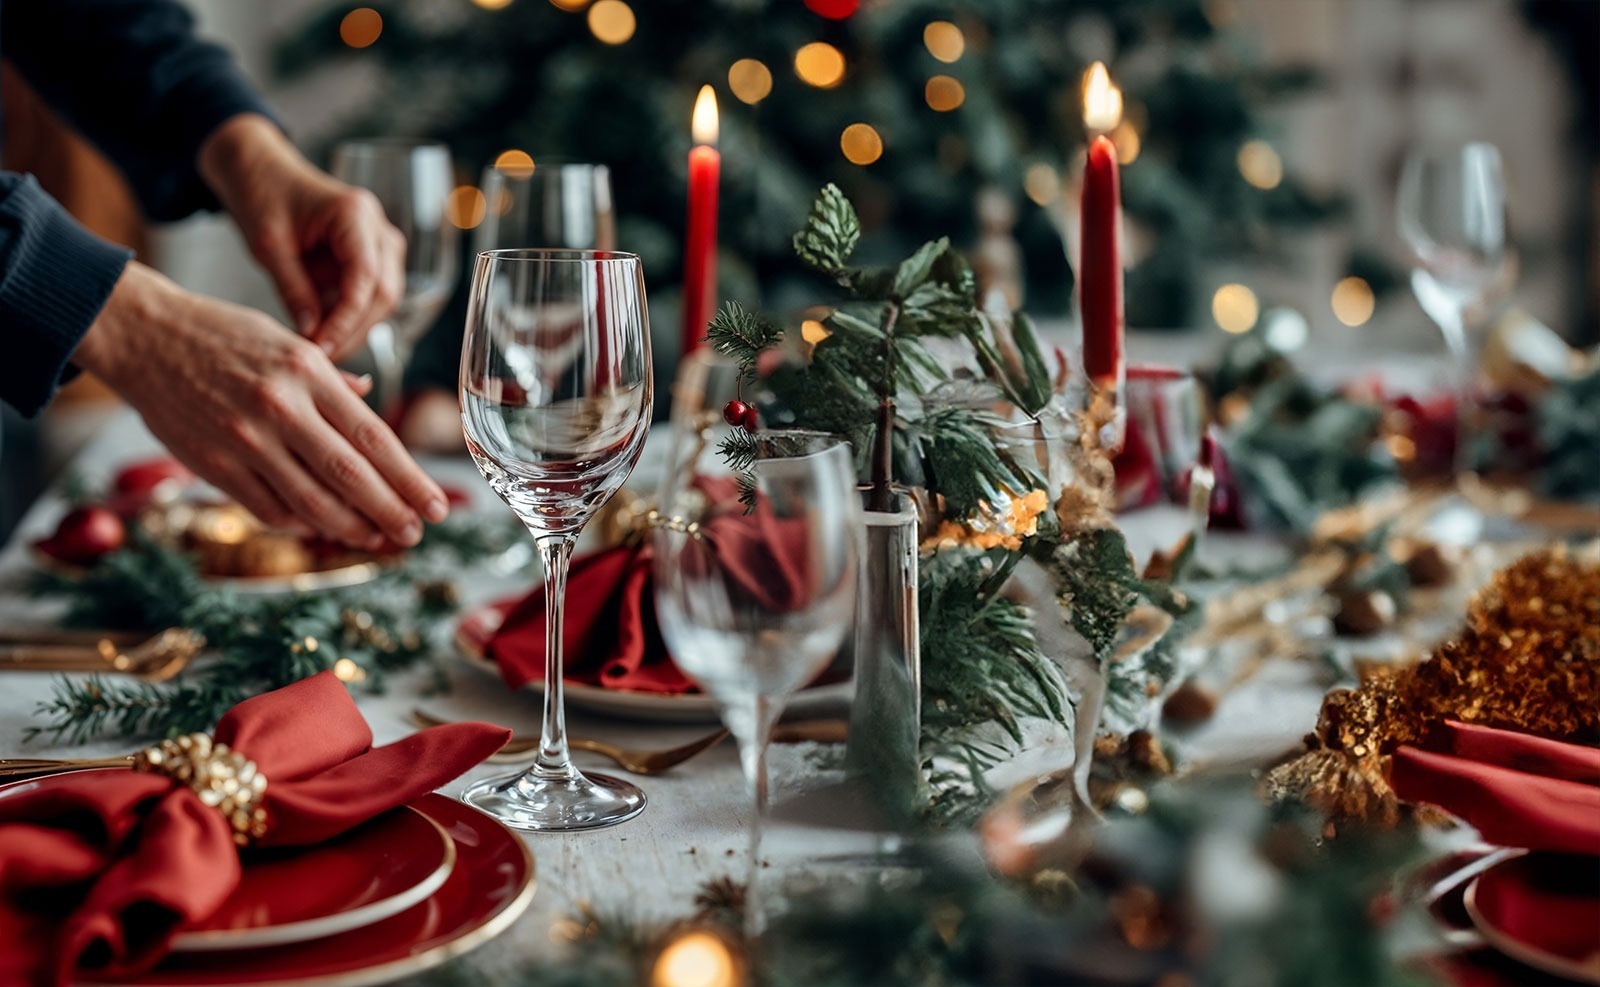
x: 98, y: 870
x: 611, y: 636
x: 1516, y: 790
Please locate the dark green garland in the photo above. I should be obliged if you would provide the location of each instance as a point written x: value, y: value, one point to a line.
x: 254, y: 643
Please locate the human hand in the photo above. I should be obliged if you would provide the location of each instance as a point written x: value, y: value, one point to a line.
x: 337, y: 261
x: 259, y: 412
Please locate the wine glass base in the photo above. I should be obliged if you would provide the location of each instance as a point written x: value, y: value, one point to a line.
x: 565, y: 803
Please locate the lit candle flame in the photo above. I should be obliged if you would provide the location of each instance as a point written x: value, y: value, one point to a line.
x: 1102, y: 100
x: 704, y: 126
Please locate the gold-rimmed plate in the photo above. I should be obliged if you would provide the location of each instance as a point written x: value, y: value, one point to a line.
x: 340, y: 576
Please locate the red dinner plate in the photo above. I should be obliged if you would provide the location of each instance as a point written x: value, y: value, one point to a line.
x: 490, y: 885
x: 293, y: 894
x: 1542, y: 909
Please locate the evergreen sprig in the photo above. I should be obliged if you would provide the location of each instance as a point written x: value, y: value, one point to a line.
x: 831, y: 232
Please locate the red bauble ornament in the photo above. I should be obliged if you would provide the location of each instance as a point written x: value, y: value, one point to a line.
x: 834, y: 10
x: 138, y: 485
x: 734, y: 411
x: 751, y: 419
x: 86, y: 535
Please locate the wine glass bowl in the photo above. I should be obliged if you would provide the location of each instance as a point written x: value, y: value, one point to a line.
x: 556, y: 394
x: 549, y: 204
x: 412, y: 180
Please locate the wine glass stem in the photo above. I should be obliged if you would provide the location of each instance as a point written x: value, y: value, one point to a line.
x: 555, y: 551
x: 753, y: 758
x: 1466, y: 373
x: 388, y: 365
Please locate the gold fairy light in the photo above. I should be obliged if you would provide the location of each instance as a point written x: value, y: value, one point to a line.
x: 1041, y: 183
x: 514, y: 163
x: 944, y: 41
x: 819, y: 64
x: 1125, y: 138
x: 750, y: 80
x: 1235, y: 308
x: 813, y: 331
x: 493, y: 4
x: 1260, y: 165
x: 697, y: 959
x: 611, y: 21
x: 1353, y: 301
x: 361, y: 27
x: 571, y: 6
x: 944, y: 93
x: 861, y: 144
x: 346, y: 670
x: 465, y: 207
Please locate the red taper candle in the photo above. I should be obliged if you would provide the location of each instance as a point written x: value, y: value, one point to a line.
x: 700, y: 251
x: 1100, y: 269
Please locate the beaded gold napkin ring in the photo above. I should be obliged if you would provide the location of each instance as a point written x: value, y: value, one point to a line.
x: 222, y: 777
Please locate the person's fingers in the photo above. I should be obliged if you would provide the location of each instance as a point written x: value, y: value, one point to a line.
x: 275, y: 248
x: 355, y: 238
x: 305, y: 488
x: 351, y: 476
x: 378, y: 445
x: 360, y: 385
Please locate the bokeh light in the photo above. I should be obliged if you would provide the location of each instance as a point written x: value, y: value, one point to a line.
x: 1042, y: 183
x: 819, y: 64
x: 361, y: 27
x: 944, y: 93
x: 696, y: 959
x: 493, y: 4
x: 1125, y: 138
x: 944, y: 40
x: 813, y: 331
x: 569, y: 5
x: 1235, y: 308
x: 1260, y: 164
x: 515, y: 163
x: 861, y: 144
x: 611, y: 21
x: 750, y: 80
x: 465, y: 207
x: 1353, y: 302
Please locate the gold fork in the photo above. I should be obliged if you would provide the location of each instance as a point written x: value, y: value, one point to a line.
x: 154, y: 658
x: 635, y: 761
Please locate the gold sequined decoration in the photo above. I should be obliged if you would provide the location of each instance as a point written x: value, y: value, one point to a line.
x: 1528, y: 660
x: 223, y: 778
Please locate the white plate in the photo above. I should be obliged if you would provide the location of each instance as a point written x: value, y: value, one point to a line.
x: 651, y: 707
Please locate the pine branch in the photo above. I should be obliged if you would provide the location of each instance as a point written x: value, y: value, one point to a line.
x: 741, y: 336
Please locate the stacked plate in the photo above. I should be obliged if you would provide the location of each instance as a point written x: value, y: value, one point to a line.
x: 399, y: 894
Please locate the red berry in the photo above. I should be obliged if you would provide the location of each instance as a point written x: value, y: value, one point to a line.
x: 751, y: 420
x: 734, y: 412
x: 85, y: 535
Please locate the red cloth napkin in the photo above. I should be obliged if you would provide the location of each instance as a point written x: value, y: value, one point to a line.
x: 611, y: 636
x: 99, y: 870
x: 1517, y: 790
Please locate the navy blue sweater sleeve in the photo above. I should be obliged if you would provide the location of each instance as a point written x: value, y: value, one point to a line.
x: 55, y: 276
x: 134, y: 78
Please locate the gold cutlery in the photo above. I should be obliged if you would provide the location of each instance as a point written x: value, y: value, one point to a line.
x: 652, y: 762
x: 21, y: 768
x: 154, y: 658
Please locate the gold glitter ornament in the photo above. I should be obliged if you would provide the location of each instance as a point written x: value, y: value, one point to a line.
x: 221, y: 777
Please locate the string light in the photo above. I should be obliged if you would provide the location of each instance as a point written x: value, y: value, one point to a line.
x: 696, y: 959
x: 1041, y: 183
x: 361, y: 27
x: 1125, y: 138
x: 861, y: 144
x: 493, y: 4
x: 466, y: 207
x: 515, y: 163
x: 1260, y: 164
x: 944, y: 41
x: 944, y: 93
x: 1235, y: 308
x: 813, y: 331
x: 750, y: 80
x: 819, y: 64
x: 1353, y: 301
x: 611, y: 21
x: 572, y: 6
x: 346, y: 670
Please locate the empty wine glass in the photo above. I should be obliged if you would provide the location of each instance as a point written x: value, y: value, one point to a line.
x: 753, y: 603
x: 547, y: 204
x: 556, y: 393
x: 412, y: 179
x: 1452, y: 215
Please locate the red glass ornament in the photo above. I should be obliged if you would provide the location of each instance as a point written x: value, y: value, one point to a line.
x: 734, y: 411
x: 751, y: 420
x: 85, y: 535
x: 834, y: 10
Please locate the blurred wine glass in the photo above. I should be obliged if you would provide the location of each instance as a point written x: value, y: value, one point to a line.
x: 547, y: 204
x: 1451, y: 208
x: 556, y: 394
x: 755, y: 583
x: 412, y: 179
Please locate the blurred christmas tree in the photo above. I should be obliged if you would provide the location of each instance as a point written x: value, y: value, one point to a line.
x: 913, y: 107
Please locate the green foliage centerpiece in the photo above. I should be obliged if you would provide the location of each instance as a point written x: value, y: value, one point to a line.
x: 1024, y: 582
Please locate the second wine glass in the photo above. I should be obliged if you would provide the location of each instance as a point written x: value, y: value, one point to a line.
x: 556, y: 394
x: 755, y: 578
